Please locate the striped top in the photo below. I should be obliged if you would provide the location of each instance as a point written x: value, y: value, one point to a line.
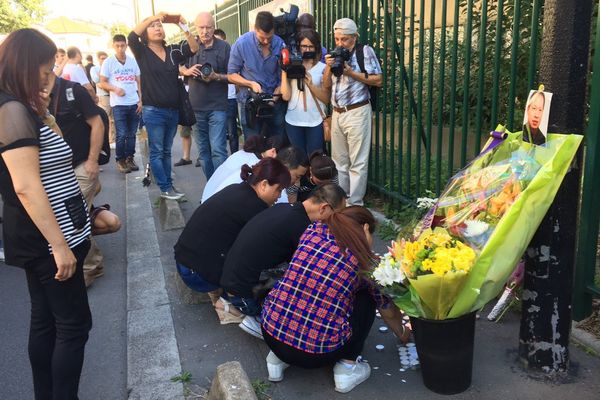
x: 20, y: 127
x: 62, y: 188
x: 347, y: 91
x: 310, y: 305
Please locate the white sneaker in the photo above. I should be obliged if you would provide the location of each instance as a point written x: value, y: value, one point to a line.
x: 275, y: 367
x: 1, y: 254
x: 346, y: 378
x: 251, y: 325
x: 170, y: 195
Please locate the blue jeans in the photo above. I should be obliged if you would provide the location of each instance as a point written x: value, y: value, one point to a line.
x: 126, y: 125
x: 232, y: 132
x: 210, y: 134
x: 308, y: 139
x: 193, y: 280
x: 269, y: 127
x: 161, y: 124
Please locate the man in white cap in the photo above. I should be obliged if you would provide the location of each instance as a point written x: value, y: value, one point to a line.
x: 350, y: 98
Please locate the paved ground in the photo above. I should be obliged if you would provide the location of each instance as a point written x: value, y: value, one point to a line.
x: 105, y: 367
x: 203, y: 343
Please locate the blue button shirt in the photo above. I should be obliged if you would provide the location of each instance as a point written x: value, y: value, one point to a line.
x: 246, y: 59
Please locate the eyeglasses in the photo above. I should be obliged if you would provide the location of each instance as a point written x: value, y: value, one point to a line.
x: 307, y: 47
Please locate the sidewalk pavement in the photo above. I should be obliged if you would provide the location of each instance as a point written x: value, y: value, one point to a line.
x: 204, y: 344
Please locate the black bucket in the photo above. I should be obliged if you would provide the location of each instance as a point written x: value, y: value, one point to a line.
x: 445, y: 349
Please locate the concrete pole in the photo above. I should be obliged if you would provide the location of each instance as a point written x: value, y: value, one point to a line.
x: 546, y: 315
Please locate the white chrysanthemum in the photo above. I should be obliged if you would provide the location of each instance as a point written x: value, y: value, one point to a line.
x: 388, y: 272
x: 426, y: 202
x: 475, y: 228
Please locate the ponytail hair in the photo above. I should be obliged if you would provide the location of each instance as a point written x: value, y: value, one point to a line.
x: 322, y: 166
x: 347, y: 228
x: 269, y: 169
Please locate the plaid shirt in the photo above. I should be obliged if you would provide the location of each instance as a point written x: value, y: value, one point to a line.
x: 309, y: 307
x: 347, y: 91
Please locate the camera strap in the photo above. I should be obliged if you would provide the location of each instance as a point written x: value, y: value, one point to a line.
x: 323, y: 115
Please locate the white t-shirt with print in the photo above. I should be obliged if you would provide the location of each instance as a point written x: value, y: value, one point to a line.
x: 295, y: 113
x: 124, y: 77
x: 75, y: 73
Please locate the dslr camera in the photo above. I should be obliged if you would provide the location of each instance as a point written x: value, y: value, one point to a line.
x: 291, y: 58
x: 258, y: 105
x: 205, y: 70
x: 340, y: 56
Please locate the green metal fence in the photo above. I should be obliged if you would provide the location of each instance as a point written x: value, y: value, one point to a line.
x: 452, y: 71
x: 587, y: 272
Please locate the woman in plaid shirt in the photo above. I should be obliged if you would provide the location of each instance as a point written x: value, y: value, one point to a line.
x: 321, y: 311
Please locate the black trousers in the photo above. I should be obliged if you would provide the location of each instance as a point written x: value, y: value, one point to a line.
x: 60, y: 323
x: 361, y: 321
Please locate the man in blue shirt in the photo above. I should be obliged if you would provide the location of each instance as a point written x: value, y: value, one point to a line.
x: 254, y: 65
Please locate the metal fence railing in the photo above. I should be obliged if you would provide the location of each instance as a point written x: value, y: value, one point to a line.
x: 587, y: 272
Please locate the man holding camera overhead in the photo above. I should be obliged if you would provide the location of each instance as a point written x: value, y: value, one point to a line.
x: 208, y: 94
x: 254, y: 67
x: 350, y: 79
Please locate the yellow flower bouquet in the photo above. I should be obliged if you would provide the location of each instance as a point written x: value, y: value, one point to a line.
x: 433, y: 267
x: 465, y: 248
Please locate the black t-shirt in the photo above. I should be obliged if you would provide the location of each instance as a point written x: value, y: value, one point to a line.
x: 211, y: 96
x: 208, y: 235
x: 71, y: 105
x: 159, y: 78
x: 267, y: 240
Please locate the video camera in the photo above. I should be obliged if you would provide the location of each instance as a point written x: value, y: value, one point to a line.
x: 258, y: 105
x: 340, y: 56
x: 291, y: 57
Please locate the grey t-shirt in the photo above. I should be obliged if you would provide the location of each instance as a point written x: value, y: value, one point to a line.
x: 210, y: 96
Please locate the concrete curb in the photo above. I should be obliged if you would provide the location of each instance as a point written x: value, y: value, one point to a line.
x: 585, y: 339
x: 152, y: 353
x: 171, y: 217
x: 231, y: 383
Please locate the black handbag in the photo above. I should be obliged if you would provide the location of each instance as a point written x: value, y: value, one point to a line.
x: 186, y: 112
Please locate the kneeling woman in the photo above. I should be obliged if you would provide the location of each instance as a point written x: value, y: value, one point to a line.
x: 321, y: 311
x: 207, y: 237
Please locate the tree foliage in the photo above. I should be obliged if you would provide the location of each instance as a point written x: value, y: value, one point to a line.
x: 119, y: 27
x: 17, y: 14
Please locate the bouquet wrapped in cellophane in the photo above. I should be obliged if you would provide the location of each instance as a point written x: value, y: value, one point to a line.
x: 465, y: 248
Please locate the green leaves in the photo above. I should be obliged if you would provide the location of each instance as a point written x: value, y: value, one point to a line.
x: 17, y: 14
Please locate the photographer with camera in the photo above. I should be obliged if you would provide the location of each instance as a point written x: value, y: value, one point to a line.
x: 305, y: 111
x: 355, y: 70
x: 208, y: 94
x: 254, y: 68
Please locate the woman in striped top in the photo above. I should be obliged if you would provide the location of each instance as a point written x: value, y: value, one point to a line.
x: 321, y: 311
x: 46, y: 225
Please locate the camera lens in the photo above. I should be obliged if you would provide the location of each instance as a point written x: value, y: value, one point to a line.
x: 206, y: 69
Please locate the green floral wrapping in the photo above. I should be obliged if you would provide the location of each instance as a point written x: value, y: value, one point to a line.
x: 516, y: 228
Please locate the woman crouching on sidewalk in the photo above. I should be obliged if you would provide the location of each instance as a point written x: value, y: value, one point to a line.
x: 206, y: 239
x: 321, y: 311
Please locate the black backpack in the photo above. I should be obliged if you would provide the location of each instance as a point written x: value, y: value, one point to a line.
x: 71, y: 111
x: 360, y: 58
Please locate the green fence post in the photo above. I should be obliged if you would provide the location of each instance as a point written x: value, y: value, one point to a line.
x: 513, y: 65
x: 590, y: 212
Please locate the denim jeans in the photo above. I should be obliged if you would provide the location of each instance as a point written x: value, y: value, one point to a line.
x: 161, y: 124
x: 232, y: 132
x: 193, y: 280
x: 60, y: 323
x: 273, y: 126
x: 307, y: 138
x: 210, y: 135
x: 126, y: 124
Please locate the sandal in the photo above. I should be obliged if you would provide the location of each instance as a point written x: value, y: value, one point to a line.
x: 227, y: 315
